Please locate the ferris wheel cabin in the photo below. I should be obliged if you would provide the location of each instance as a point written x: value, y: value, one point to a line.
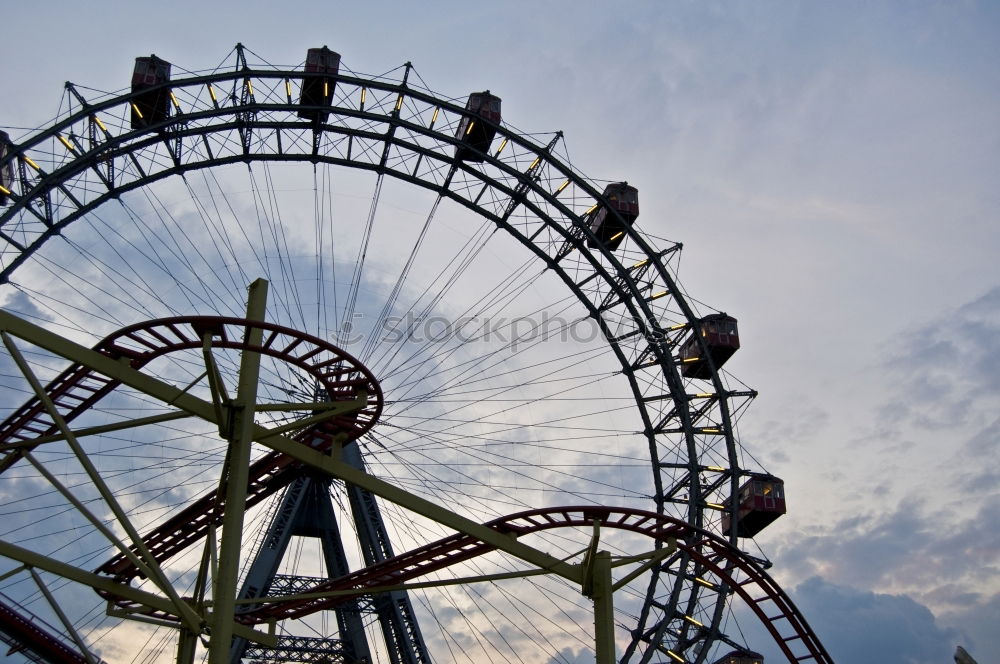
x: 741, y: 657
x: 608, y: 228
x: 152, y: 106
x: 722, y: 338
x: 317, y: 91
x: 6, y: 170
x: 759, y: 502
x: 478, y: 126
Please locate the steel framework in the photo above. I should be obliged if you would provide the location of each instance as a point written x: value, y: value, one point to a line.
x: 305, y: 508
x: 391, y: 127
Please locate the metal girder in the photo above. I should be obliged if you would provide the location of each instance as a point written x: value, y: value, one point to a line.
x: 305, y: 510
x: 236, y: 476
x: 172, y: 395
x: 97, y: 430
x: 66, y: 622
x: 106, y: 585
x: 395, y: 613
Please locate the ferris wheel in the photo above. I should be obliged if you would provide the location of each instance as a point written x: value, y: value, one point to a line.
x: 309, y: 365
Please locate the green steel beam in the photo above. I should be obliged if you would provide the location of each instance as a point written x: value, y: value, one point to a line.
x: 98, y: 582
x: 656, y: 558
x: 66, y: 622
x: 237, y: 474
x: 335, y: 409
x: 96, y: 431
x: 602, y: 592
x: 376, y: 590
x: 189, y: 617
x: 589, y: 558
x: 119, y: 370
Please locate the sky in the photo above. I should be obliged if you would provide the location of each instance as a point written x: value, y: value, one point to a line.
x: 832, y: 170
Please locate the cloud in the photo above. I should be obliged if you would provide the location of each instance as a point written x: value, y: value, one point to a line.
x: 948, y: 367
x: 568, y: 656
x: 857, y: 625
x: 914, y: 548
x: 979, y: 622
x: 863, y: 626
x: 19, y: 303
x: 915, y: 556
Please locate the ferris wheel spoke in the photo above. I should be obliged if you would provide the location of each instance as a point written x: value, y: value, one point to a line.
x: 390, y: 301
x: 359, y: 263
x: 498, y: 357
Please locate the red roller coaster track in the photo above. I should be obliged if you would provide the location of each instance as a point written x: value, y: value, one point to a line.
x: 730, y: 567
x: 25, y: 634
x: 77, y: 389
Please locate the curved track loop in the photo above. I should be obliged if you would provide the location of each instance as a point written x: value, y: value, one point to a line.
x: 731, y: 568
x: 727, y: 569
x: 78, y: 388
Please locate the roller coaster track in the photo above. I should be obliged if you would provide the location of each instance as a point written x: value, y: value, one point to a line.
x: 24, y: 633
x: 725, y: 565
x: 729, y: 566
x: 77, y: 389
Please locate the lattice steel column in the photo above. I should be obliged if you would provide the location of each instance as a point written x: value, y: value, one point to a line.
x: 395, y: 613
x: 305, y: 511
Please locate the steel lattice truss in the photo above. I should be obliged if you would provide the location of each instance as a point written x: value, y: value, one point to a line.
x: 391, y: 126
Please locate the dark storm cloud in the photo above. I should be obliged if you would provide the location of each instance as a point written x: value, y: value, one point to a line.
x: 864, y: 550
x: 980, y: 622
x: 933, y: 559
x: 862, y: 626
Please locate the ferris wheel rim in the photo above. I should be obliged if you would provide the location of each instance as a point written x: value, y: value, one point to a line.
x: 617, y: 275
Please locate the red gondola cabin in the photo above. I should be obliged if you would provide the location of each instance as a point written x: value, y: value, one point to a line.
x: 317, y: 91
x: 760, y: 501
x: 722, y: 339
x: 6, y: 170
x: 477, y: 128
x: 608, y: 229
x: 741, y: 657
x: 153, y: 106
